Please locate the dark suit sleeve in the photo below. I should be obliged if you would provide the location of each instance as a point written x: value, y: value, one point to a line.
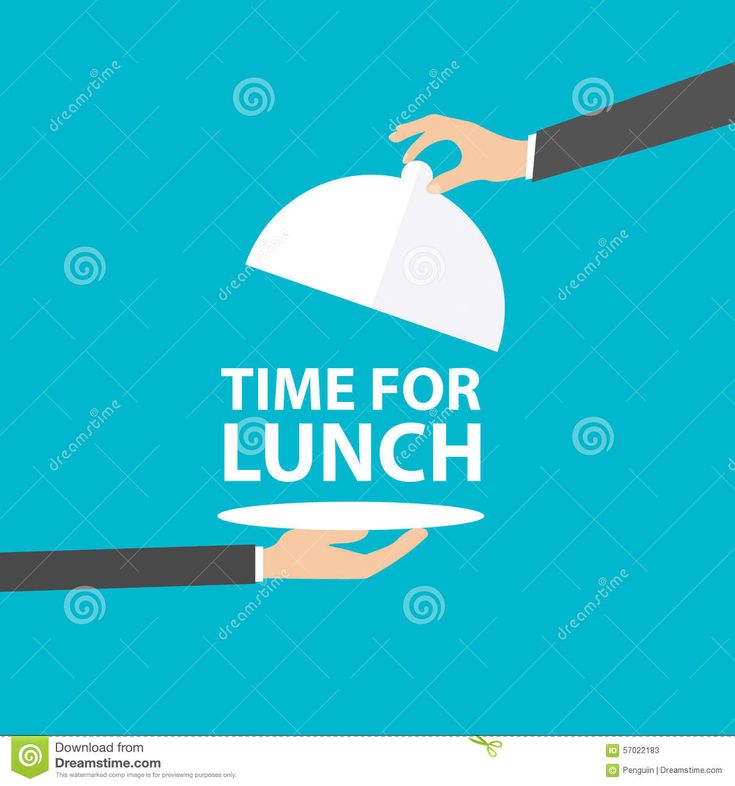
x: 691, y: 106
x: 157, y: 567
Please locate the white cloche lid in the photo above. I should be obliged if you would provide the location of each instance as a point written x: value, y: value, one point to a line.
x: 386, y: 243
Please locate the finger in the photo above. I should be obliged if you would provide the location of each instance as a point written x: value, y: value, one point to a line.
x: 381, y: 558
x: 449, y: 180
x: 414, y: 127
x: 424, y: 141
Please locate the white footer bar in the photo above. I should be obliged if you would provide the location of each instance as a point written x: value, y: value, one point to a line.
x: 505, y: 761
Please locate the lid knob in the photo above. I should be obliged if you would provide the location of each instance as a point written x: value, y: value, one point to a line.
x: 418, y: 173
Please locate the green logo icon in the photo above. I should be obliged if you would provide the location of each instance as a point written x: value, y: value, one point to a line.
x: 29, y: 755
x: 612, y: 770
x: 612, y: 751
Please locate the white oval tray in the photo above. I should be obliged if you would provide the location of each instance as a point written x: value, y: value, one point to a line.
x: 350, y: 515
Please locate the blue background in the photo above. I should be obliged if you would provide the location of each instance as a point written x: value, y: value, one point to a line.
x: 161, y: 174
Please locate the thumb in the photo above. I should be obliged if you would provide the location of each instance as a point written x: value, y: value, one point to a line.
x: 448, y: 180
x: 382, y: 558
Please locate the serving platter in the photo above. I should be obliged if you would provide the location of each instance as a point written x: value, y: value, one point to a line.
x: 351, y: 515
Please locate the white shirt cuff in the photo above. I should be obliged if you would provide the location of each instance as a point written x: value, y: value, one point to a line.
x: 258, y: 563
x: 530, y: 156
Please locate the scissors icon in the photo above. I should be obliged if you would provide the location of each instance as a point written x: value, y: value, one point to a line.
x: 490, y: 745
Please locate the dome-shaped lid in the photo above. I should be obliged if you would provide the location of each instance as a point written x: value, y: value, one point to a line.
x: 388, y: 244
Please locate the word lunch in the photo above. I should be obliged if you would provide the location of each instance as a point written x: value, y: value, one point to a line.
x: 281, y: 390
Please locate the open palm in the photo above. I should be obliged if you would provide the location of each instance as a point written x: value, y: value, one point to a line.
x: 312, y: 554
